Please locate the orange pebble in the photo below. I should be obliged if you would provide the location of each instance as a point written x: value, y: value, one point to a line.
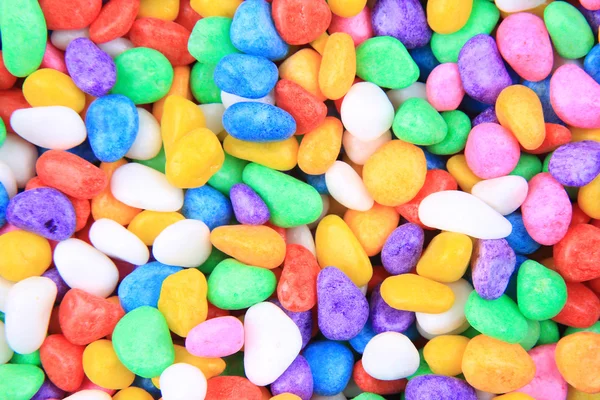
x: 372, y: 227
x: 180, y: 87
x: 303, y: 68
x: 338, y: 66
x: 578, y: 360
x: 320, y: 147
x: 105, y: 205
x: 297, y: 287
x: 62, y: 361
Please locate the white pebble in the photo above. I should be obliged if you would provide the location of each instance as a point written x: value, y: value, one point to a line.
x: 28, y: 308
x: 5, y: 286
x: 54, y: 127
x: 83, y: 267
x: 399, y: 96
x: 185, y: 243
x: 229, y: 99
x: 116, y: 47
x: 89, y: 395
x: 143, y: 187
x: 301, y: 235
x: 213, y: 113
x: 61, y: 38
x: 430, y: 336
x: 271, y: 343
x: 366, y: 111
x: 452, y: 320
x: 389, y: 356
x: 513, y: 6
x: 114, y: 240
x: 8, y: 180
x: 462, y: 212
x: 20, y: 156
x: 359, y: 151
x: 6, y: 352
x: 148, y: 141
x: 347, y: 187
x: 182, y: 382
x: 504, y: 194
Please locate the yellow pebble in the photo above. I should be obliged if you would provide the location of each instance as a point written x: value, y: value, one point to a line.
x: 444, y: 354
x: 319, y: 43
x: 395, y: 173
x: 49, y: 87
x: 23, y: 255
x: 448, y: 16
x: 281, y: 156
x: 580, y: 134
x: 183, y: 300
x: 320, y: 147
x: 588, y: 196
x: 412, y: 292
x: 102, y: 366
x: 336, y: 245
x: 180, y: 116
x: 210, y: 367
x: 194, y: 158
x: 519, y: 110
x: 338, y: 66
x: 575, y: 394
x: 372, y: 227
x: 148, y: 224
x: 346, y: 8
x: 303, y: 68
x: 133, y: 393
x: 215, y: 8
x: 514, y: 396
x: 458, y: 168
x: 286, y: 396
x: 446, y: 258
x: 161, y: 9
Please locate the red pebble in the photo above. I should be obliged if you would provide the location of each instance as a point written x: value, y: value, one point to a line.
x: 54, y: 59
x: 301, y: 21
x: 11, y: 100
x: 187, y: 16
x: 114, y: 20
x: 54, y: 324
x: 85, y: 318
x: 436, y: 180
x: 214, y: 311
x: 168, y: 37
x: 556, y: 135
x: 63, y: 362
x: 594, y: 284
x: 7, y: 80
x: 70, y: 174
x: 578, y: 216
x: 369, y: 384
x: 232, y: 388
x: 582, y: 309
x: 577, y: 255
x: 70, y: 14
x: 306, y: 109
x: 379, y: 274
x: 297, y: 288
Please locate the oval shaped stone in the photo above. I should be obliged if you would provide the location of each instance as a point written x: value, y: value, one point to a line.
x: 244, y: 75
x: 576, y: 164
x: 258, y: 122
x: 499, y: 318
x: 439, y: 387
x: 402, y: 249
x: 492, y: 265
x: 404, y: 20
x: 92, y: 70
x: 542, y: 293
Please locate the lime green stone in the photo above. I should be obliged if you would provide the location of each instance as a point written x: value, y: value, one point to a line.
x: 144, y: 75
x: 548, y: 332
x: 2, y: 132
x: 459, y: 126
x: 594, y: 328
x: 571, y: 34
x: 423, y: 367
x: 533, y: 335
x: 228, y: 175
x: 541, y: 292
x: 143, y: 342
x: 470, y: 333
x: 369, y: 396
x: 24, y: 36
x: 528, y: 166
x: 158, y: 162
x: 210, y: 41
x: 202, y: 84
x: 290, y: 201
x: 20, y: 381
x: 499, y: 318
x: 215, y: 257
x: 1, y: 316
x: 417, y: 122
x: 31, y: 358
x: 385, y: 61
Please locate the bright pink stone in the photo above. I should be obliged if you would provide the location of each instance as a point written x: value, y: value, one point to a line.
x: 216, y: 337
x: 547, y: 383
x: 358, y: 27
x: 574, y: 96
x: 54, y: 59
x: 444, y: 87
x: 491, y: 151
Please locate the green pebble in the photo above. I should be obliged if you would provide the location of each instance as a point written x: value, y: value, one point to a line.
x: 143, y: 342
x: 471, y: 333
x: 423, y: 367
x: 31, y: 358
x: 483, y: 19
x: 234, y: 286
x: 594, y: 328
x: 499, y: 318
x: 533, y: 335
x: 202, y: 84
x: 290, y: 201
x: 158, y: 162
x: 144, y: 75
x: 215, y: 257
x: 548, y: 332
x: 229, y: 174
x: 1, y: 316
x: 571, y: 34
x: 369, y: 396
x: 417, y: 122
x: 210, y: 41
x: 20, y: 381
x: 459, y: 126
x: 528, y: 166
x: 24, y: 36
x: 2, y: 132
x: 234, y: 365
x: 385, y: 61
x: 541, y: 292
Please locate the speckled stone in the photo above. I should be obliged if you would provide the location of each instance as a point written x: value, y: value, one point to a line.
x: 487, y: 116
x: 403, y: 19
x: 248, y: 207
x: 402, y: 249
x: 92, y: 70
x: 576, y: 164
x: 297, y: 379
x: 61, y: 285
x: 48, y: 391
x: 492, y: 264
x: 428, y: 387
x: 385, y: 318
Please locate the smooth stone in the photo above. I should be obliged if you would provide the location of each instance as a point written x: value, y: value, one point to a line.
x: 390, y: 356
x: 402, y: 249
x: 576, y: 164
x: 116, y: 47
x: 347, y: 187
x: 185, y: 243
x: 302, y: 319
x: 492, y: 264
x: 148, y: 141
x: 91, y: 68
x: 366, y: 111
x: 504, y: 194
x: 53, y: 127
x: 183, y: 381
x: 114, y: 240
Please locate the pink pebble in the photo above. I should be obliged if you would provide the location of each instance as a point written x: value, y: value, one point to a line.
x: 491, y: 151
x: 89, y: 385
x: 524, y: 43
x: 574, y: 96
x: 358, y: 27
x: 54, y: 59
x: 547, y: 383
x: 591, y: 5
x: 444, y: 87
x: 216, y: 337
x: 546, y: 210
x: 7, y: 228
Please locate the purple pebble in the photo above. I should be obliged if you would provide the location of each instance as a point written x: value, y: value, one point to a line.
x: 576, y: 164
x: 92, y: 70
x: 438, y: 387
x: 61, y: 285
x: 402, y: 249
x: 487, y: 116
x: 44, y: 211
x: 482, y: 70
x: 492, y: 265
x: 592, y: 17
x: 248, y: 207
x: 48, y: 391
x: 342, y: 308
x: 297, y: 379
x: 403, y: 19
x: 303, y: 321
x: 385, y: 318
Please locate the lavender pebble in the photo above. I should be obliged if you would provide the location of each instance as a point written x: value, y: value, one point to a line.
x: 48, y: 391
x: 297, y: 379
x: 438, y: 387
x: 92, y: 70
x: 61, y: 286
x: 488, y: 115
x: 247, y: 205
x: 492, y: 264
x: 303, y: 321
x: 403, y: 19
x: 385, y: 318
x: 402, y: 249
x: 576, y: 164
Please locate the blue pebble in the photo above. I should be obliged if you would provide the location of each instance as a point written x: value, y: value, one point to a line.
x: 359, y: 342
x: 331, y: 364
x: 434, y: 161
x: 591, y: 63
x: 425, y: 60
x: 258, y: 122
x: 251, y: 77
x: 542, y: 89
x: 519, y: 239
x: 207, y: 205
x: 142, y: 286
x: 511, y: 288
x: 84, y: 150
x: 318, y: 182
x: 4, y: 200
x: 112, y: 123
x: 412, y: 332
x: 253, y: 31
x: 147, y: 385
